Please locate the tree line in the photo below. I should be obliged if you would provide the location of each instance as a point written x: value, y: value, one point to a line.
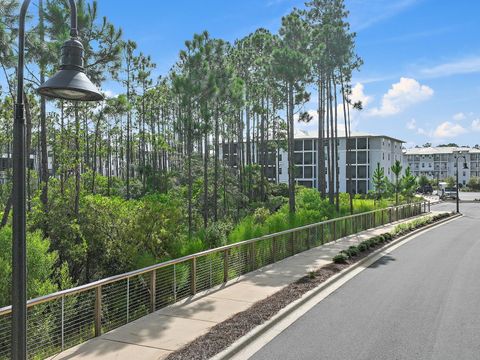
x: 206, y: 133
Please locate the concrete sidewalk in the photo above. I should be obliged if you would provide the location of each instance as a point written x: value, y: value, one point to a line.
x: 155, y: 336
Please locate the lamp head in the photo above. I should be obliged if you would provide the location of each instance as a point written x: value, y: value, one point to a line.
x: 70, y: 82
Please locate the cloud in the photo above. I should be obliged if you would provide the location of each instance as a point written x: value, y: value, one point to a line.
x: 412, y: 125
x: 358, y: 94
x: 448, y: 130
x: 402, y: 95
x: 110, y: 94
x: 466, y: 65
x: 459, y: 116
x: 476, y: 125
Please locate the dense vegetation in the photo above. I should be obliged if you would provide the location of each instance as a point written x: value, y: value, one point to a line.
x: 178, y: 163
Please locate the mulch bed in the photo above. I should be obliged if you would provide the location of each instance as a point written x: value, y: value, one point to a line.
x: 227, y: 332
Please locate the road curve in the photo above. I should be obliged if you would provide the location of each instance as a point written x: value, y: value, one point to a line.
x: 420, y: 302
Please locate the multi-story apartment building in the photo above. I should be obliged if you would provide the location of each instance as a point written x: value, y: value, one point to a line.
x: 441, y: 162
x: 366, y: 150
x: 6, y: 166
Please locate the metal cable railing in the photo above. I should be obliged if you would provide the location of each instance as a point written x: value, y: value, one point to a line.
x: 69, y: 317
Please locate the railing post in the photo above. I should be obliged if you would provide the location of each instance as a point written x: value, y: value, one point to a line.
x: 252, y: 256
x: 334, y: 230
x: 292, y: 243
x: 345, y: 227
x: 98, y: 311
x: 322, y: 234
x: 225, y: 266
x: 383, y: 218
x: 429, y: 206
x: 153, y: 290
x: 309, y: 244
x: 174, y: 283
x: 390, y: 215
x: 63, y: 323
x: 128, y: 299
x: 193, y: 276
x: 274, y: 250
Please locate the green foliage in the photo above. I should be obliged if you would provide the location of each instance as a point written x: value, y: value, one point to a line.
x: 362, y: 247
x: 423, y: 180
x: 451, y: 182
x: 474, y: 183
x: 353, y: 251
x: 379, y: 182
x: 340, y: 258
x: 396, y: 170
x: 41, y: 263
x: 408, y: 184
x: 310, y: 208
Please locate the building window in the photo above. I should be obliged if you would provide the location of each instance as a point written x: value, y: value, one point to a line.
x: 299, y: 172
x: 298, y: 145
x: 308, y: 172
x: 351, y: 172
x: 308, y: 145
x: 298, y: 158
x: 362, y: 186
x: 352, y: 144
x: 383, y: 156
x: 308, y: 158
x: 279, y: 171
x: 351, y: 158
x: 280, y: 157
x: 308, y: 184
x: 362, y: 172
x: 362, y: 157
x: 362, y: 143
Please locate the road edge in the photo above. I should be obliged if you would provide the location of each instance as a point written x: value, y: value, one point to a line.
x: 315, y: 296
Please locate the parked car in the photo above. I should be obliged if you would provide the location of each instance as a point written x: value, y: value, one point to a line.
x: 425, y: 189
x: 449, y: 193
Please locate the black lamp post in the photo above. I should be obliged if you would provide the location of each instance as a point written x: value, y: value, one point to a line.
x: 69, y: 83
x: 465, y: 166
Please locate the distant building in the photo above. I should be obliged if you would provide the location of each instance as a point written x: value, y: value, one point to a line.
x: 6, y: 166
x: 440, y: 162
x: 366, y: 151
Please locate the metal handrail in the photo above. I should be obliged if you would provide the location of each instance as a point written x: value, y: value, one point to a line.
x: 59, y: 294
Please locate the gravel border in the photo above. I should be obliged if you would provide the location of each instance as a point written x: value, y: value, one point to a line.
x: 227, y: 332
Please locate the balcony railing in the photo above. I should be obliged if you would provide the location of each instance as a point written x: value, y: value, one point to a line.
x: 69, y: 317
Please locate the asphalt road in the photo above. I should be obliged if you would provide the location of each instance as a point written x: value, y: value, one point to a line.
x: 420, y: 302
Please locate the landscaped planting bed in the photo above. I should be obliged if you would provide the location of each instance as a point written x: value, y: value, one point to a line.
x: 226, y: 333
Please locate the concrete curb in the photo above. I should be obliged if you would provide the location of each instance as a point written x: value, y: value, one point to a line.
x: 247, y: 339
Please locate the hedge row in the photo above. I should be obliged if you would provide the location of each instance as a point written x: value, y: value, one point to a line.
x: 353, y: 251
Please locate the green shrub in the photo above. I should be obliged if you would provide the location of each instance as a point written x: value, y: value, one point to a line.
x: 353, y: 251
x: 362, y: 247
x: 341, y: 258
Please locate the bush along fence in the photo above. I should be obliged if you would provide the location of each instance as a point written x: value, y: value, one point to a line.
x: 357, y: 252
x: 69, y: 317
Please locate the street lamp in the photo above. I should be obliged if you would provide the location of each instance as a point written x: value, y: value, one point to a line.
x: 465, y: 166
x: 69, y: 83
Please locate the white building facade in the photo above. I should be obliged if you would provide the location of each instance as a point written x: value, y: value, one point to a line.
x: 441, y: 162
x: 366, y: 150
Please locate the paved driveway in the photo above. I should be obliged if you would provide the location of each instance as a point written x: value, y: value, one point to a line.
x: 420, y: 302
